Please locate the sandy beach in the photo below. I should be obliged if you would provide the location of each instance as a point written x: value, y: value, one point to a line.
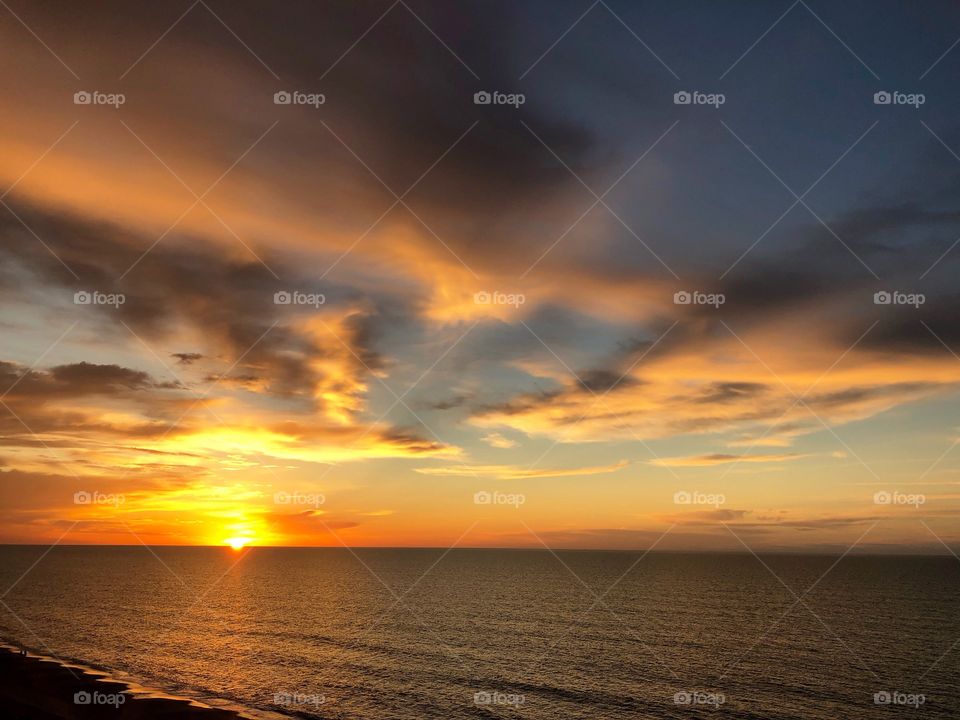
x: 33, y: 687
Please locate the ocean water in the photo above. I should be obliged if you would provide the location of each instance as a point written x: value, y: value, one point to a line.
x: 411, y: 634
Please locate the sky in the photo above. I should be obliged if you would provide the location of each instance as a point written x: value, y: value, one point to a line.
x: 686, y: 281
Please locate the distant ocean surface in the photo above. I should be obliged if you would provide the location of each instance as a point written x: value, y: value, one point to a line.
x: 502, y: 633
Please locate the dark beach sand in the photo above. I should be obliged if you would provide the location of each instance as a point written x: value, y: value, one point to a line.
x: 39, y: 688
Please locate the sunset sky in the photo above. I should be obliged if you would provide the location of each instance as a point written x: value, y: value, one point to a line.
x: 498, y: 283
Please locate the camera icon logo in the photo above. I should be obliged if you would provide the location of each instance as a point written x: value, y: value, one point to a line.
x: 882, y: 497
x: 282, y: 97
x: 682, y: 98
x: 82, y: 297
x: 482, y: 498
x: 282, y: 297
x: 483, y: 698
x: 682, y: 297
x: 882, y: 298
x: 482, y: 98
x: 682, y: 497
x: 82, y: 497
x: 882, y: 698
x: 82, y: 97
x: 82, y: 698
x: 882, y: 98
x: 481, y: 298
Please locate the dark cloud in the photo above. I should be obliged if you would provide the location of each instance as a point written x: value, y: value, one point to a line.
x: 412, y: 440
x: 883, y: 229
x: 187, y: 358
x: 931, y: 329
x: 86, y: 377
x: 398, y: 98
x: 229, y: 299
x: 600, y: 381
x: 451, y: 403
x: 523, y: 403
x: 75, y: 380
x: 723, y: 392
x: 762, y: 289
x: 854, y: 395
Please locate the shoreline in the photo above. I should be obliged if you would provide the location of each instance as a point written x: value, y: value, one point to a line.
x: 39, y: 687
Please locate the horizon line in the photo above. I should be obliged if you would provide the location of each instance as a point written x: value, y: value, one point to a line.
x: 896, y: 551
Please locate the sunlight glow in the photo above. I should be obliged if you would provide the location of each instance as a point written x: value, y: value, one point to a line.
x: 238, y: 543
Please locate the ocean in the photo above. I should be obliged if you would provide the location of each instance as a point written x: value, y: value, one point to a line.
x: 407, y: 634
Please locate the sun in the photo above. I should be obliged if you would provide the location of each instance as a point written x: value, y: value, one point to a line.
x: 237, y: 543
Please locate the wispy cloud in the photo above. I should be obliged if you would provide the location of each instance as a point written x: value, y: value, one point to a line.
x: 517, y: 472
x: 723, y: 459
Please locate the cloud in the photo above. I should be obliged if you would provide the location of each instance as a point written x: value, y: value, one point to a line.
x: 304, y: 199
x: 316, y: 443
x: 723, y: 459
x: 451, y: 403
x: 731, y: 391
x: 513, y: 472
x: 83, y: 404
x: 937, y: 335
x: 704, y: 381
x: 320, y: 360
x: 706, y: 517
x: 497, y: 440
x: 604, y: 381
x: 187, y: 358
x: 763, y: 521
x: 105, y: 419
x: 74, y: 380
x: 309, y: 527
x: 399, y: 112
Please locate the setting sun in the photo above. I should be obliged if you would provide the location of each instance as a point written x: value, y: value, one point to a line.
x: 237, y: 543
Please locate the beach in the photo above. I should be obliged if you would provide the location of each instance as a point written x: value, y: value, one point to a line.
x: 33, y: 687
